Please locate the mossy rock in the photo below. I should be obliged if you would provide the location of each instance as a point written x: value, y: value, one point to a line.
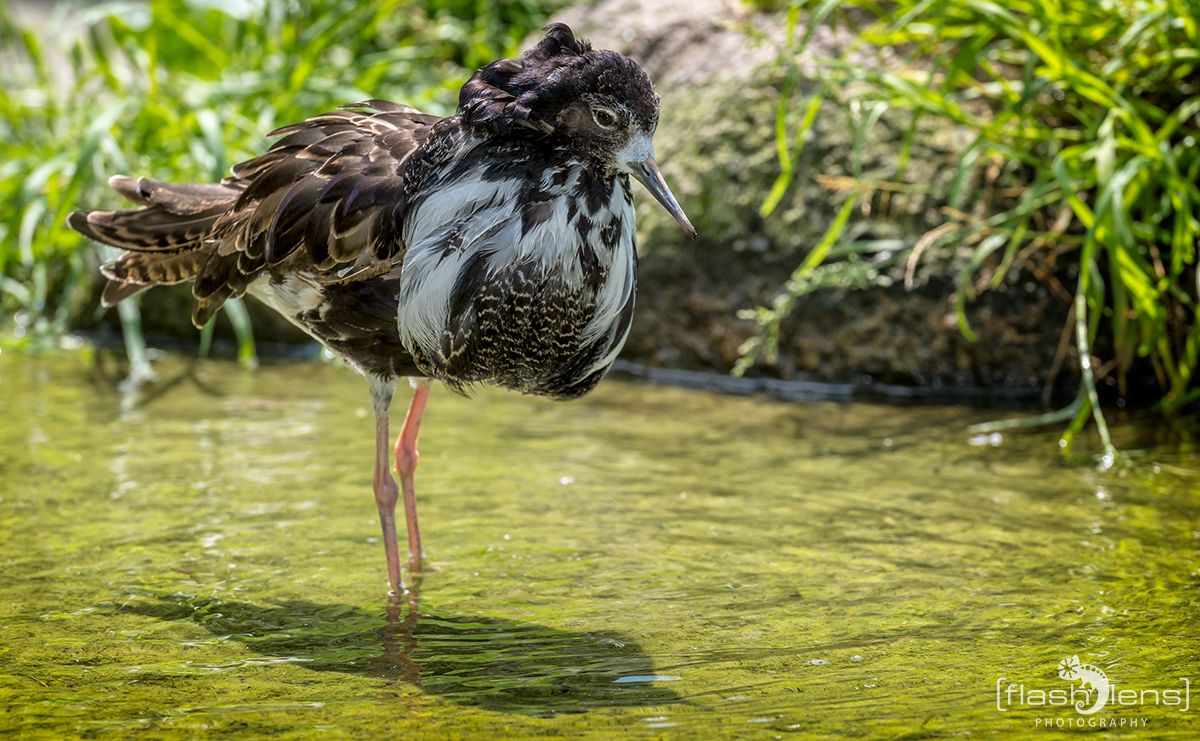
x: 716, y: 145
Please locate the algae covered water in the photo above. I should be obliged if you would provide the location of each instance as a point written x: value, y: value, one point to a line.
x: 204, y: 555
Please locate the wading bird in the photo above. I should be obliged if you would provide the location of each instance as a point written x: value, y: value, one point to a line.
x: 494, y: 246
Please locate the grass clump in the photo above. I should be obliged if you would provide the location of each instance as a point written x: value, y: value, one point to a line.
x: 1083, y: 115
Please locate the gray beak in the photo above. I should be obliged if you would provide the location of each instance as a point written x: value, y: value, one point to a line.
x: 648, y: 175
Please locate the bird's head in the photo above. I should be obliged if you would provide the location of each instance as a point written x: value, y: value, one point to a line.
x: 602, y: 104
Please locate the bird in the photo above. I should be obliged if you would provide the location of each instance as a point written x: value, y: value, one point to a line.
x: 495, y: 246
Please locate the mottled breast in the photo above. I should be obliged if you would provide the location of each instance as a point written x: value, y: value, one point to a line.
x: 520, y: 276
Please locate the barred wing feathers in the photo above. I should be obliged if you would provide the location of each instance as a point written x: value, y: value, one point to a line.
x: 328, y: 198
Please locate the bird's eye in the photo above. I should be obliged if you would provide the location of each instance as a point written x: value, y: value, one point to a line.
x: 604, y: 118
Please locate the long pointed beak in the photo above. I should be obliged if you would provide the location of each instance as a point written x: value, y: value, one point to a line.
x: 647, y: 174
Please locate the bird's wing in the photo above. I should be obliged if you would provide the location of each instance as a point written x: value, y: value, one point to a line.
x: 326, y: 201
x: 328, y: 195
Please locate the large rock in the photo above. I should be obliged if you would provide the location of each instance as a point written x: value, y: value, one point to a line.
x: 716, y: 66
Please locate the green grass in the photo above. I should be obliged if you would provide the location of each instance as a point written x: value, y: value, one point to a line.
x: 1084, y: 120
x: 183, y: 90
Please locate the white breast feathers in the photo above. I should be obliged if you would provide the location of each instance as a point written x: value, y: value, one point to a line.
x: 475, y: 230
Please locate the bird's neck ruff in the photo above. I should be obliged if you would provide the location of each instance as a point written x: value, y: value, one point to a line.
x: 510, y: 245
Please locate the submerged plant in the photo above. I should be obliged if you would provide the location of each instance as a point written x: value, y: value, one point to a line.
x: 1087, y: 114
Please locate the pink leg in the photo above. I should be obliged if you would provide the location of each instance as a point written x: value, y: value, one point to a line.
x: 406, y: 465
x: 386, y: 493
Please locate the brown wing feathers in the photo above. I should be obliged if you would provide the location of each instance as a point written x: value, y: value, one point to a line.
x: 134, y: 272
x: 332, y: 185
x: 175, y: 215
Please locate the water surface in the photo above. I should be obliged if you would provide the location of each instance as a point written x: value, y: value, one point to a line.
x: 204, y: 555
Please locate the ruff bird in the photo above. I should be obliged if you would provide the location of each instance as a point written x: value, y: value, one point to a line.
x: 494, y: 246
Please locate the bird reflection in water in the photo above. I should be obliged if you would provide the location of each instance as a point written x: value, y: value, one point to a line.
x: 494, y: 663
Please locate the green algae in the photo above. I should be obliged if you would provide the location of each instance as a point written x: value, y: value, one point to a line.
x: 203, y: 557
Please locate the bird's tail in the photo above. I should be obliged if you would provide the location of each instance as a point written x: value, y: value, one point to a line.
x: 167, y: 241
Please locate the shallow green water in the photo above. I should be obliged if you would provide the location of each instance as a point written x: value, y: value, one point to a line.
x: 644, y: 562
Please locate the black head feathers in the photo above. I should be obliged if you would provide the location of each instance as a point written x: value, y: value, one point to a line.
x: 559, y: 39
x: 526, y: 94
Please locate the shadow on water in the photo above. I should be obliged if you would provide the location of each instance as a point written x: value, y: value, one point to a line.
x: 487, y: 662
